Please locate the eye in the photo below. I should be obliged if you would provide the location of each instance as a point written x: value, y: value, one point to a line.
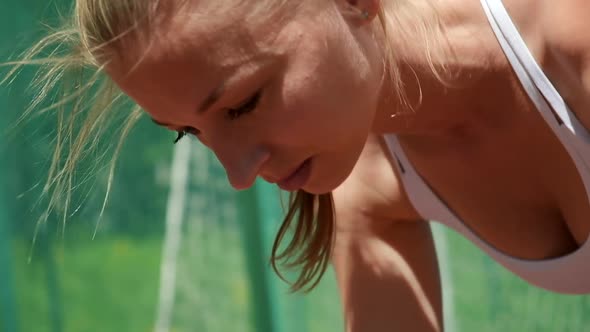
x: 246, y: 107
x: 186, y: 131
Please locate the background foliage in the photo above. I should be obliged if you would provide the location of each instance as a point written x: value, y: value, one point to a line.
x: 72, y: 282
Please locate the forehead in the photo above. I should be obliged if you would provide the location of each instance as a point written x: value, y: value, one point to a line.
x: 216, y: 33
x: 187, y: 59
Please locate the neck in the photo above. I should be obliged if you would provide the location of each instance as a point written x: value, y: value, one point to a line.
x: 442, y: 75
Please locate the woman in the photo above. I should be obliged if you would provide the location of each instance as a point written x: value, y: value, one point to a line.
x: 380, y: 114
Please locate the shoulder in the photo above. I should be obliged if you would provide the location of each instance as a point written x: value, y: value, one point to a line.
x: 566, y: 23
x: 567, y: 28
x: 558, y: 34
x: 373, y: 191
x: 563, y: 24
x: 566, y: 31
x: 553, y: 25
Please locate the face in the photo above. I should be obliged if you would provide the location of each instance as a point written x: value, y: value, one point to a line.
x: 293, y: 104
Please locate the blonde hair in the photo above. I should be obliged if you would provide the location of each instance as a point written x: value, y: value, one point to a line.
x: 78, y: 54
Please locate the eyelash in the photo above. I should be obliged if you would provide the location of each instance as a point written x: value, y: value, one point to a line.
x: 232, y: 113
x: 247, y: 107
x: 185, y: 132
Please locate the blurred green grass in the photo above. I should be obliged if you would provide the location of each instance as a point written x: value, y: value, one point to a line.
x: 112, y: 283
x: 102, y: 285
x: 489, y: 298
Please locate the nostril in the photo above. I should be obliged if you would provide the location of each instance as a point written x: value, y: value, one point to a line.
x: 241, y: 184
x: 269, y: 180
x: 243, y: 169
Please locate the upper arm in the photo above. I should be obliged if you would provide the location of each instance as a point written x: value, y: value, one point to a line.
x: 389, y: 281
x: 384, y: 255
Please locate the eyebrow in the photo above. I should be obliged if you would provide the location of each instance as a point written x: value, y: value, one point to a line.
x: 218, y: 92
x: 213, y: 97
x: 244, y: 73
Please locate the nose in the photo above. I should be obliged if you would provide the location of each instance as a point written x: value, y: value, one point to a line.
x: 242, y: 166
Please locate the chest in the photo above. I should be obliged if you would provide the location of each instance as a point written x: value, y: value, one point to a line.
x: 514, y: 185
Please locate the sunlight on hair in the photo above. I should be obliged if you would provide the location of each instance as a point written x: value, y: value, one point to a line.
x: 72, y: 60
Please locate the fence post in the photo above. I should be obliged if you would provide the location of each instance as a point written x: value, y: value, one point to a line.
x: 7, y: 298
x: 258, y: 212
x: 175, y: 211
x: 8, y: 310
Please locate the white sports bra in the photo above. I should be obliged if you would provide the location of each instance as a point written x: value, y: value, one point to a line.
x: 565, y: 274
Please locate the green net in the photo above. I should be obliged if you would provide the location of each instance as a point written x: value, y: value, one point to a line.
x: 131, y: 277
x: 483, y: 296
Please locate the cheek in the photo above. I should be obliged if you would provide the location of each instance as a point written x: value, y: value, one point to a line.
x: 319, y: 113
x: 328, y: 91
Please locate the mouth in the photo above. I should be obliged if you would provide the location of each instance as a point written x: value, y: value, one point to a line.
x: 298, y: 178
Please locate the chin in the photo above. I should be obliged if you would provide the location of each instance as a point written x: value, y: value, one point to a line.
x: 325, y: 185
x: 317, y: 191
x: 328, y: 173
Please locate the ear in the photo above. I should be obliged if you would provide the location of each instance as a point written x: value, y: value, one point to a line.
x: 360, y: 11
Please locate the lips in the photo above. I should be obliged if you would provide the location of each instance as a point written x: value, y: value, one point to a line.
x: 297, y: 178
